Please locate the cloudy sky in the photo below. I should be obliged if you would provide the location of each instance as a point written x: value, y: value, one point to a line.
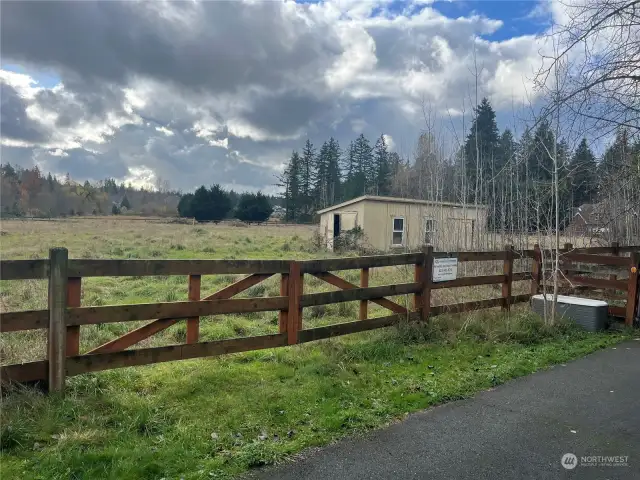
x: 221, y: 92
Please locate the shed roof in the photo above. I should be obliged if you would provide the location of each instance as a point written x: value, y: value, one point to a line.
x: 374, y: 198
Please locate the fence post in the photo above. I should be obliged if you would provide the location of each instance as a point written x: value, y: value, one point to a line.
x: 74, y: 296
x: 507, y: 269
x: 632, y: 289
x: 294, y: 316
x: 193, y: 323
x: 364, y: 282
x: 56, y: 348
x: 284, y: 292
x: 424, y: 275
x: 536, y: 270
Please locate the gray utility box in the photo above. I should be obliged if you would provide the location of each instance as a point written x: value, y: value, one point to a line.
x: 590, y: 314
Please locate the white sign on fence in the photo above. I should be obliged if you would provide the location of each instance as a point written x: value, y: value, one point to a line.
x: 445, y: 269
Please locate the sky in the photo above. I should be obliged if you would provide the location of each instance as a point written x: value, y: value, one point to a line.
x: 221, y: 92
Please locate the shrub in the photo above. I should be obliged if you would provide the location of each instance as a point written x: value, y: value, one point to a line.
x: 349, y: 240
x: 253, y: 207
x: 206, y: 204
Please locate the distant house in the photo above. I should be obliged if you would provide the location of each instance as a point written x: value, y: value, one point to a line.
x: 390, y: 223
x: 589, y: 219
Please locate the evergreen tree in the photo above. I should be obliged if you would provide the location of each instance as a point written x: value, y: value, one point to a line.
x: 364, y: 178
x: 583, y: 175
x: 185, y: 205
x: 253, y: 207
x: 307, y: 164
x: 321, y: 184
x: 617, y: 155
x: 480, y: 150
x: 382, y: 182
x: 211, y: 204
x: 290, y: 181
x: 333, y: 172
x: 125, y: 203
x: 351, y: 172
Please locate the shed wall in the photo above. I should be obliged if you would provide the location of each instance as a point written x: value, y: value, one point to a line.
x: 454, y: 226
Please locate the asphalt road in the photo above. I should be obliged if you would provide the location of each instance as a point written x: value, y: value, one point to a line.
x: 520, y: 430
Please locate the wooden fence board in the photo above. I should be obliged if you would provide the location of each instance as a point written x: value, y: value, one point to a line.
x: 312, y: 334
x: 118, y: 268
x: 598, y: 282
x: 145, y: 356
x: 144, y: 311
x: 596, y: 259
x: 616, y: 311
x: 24, y: 372
x: 478, y: 304
x: 520, y: 276
x: 156, y: 326
x: 27, y: 320
x: 354, y: 263
x: 344, y: 285
x: 24, y: 269
x: 469, y: 281
x: 369, y: 293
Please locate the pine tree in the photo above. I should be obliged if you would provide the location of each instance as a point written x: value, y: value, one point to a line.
x: 333, y: 172
x: 125, y: 203
x: 320, y: 184
x: 290, y: 181
x: 382, y: 182
x: 480, y: 149
x: 364, y: 178
x: 350, y: 169
x: 306, y: 180
x: 583, y: 175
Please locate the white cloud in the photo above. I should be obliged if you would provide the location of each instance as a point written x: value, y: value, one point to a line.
x: 244, y: 83
x: 165, y: 131
x: 388, y: 139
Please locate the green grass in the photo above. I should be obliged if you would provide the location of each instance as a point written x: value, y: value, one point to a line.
x: 217, y: 418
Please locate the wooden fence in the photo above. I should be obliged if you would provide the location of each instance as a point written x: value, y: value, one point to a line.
x: 65, y: 315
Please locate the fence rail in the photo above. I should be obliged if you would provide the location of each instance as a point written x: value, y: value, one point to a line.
x: 65, y: 315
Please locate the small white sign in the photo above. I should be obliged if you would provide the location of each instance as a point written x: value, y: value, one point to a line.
x: 445, y: 269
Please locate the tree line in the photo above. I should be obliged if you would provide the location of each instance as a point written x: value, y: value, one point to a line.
x: 317, y: 179
x: 512, y: 177
x: 26, y: 192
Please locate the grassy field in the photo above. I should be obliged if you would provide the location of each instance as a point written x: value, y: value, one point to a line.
x: 217, y: 418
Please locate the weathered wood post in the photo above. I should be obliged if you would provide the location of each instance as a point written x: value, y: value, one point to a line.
x: 284, y: 292
x: 74, y: 295
x: 364, y: 282
x: 632, y: 289
x: 56, y: 347
x: 294, y: 316
x: 507, y: 270
x: 193, y: 323
x: 536, y: 270
x: 424, y: 276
